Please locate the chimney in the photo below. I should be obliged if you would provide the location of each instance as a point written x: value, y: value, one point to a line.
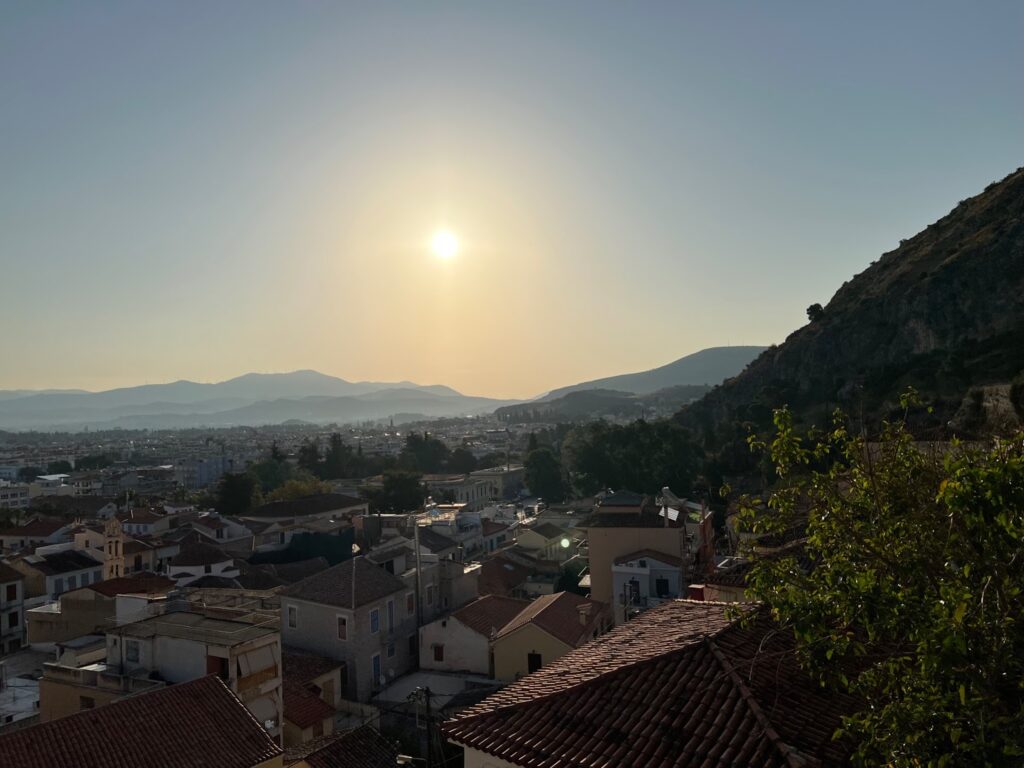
x: 584, y: 611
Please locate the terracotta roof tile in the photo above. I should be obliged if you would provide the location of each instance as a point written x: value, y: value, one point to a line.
x: 681, y: 685
x: 649, y: 553
x: 200, y: 554
x: 307, y: 505
x: 559, y: 616
x: 500, y: 576
x: 303, y: 707
x: 301, y: 667
x: 190, y: 725
x: 361, y: 748
x: 489, y: 527
x: 141, y: 583
x: 334, y: 586
x: 488, y: 614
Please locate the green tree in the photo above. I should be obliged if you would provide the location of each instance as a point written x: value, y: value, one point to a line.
x: 60, y: 467
x: 93, y: 461
x: 643, y: 456
x: 544, y: 474
x: 339, y: 459
x: 915, y: 600
x: 309, y: 456
x: 423, y: 453
x: 28, y: 474
x: 401, y: 491
x: 303, y: 484
x: 461, y: 461
x: 271, y: 474
x: 237, y: 494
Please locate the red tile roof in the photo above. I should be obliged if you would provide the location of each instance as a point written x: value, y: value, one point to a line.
x: 142, y: 583
x: 363, y: 747
x: 681, y: 685
x: 649, y: 553
x: 499, y: 576
x: 488, y: 614
x: 301, y: 667
x: 200, y: 554
x: 34, y: 528
x: 8, y: 574
x: 559, y: 616
x: 489, y: 527
x: 190, y: 725
x: 303, y: 707
x: 334, y: 586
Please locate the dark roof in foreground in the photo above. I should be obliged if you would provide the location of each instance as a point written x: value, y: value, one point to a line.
x: 334, y: 586
x: 200, y: 554
x: 681, y: 685
x: 363, y: 747
x: 190, y: 725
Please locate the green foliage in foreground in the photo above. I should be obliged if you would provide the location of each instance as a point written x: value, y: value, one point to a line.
x: 915, y: 602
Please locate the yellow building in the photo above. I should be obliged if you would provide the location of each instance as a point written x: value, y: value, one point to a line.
x: 547, y: 629
x: 619, y: 526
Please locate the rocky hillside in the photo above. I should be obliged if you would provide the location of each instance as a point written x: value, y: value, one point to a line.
x: 943, y: 313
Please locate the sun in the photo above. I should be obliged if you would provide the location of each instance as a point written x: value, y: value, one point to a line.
x: 444, y: 244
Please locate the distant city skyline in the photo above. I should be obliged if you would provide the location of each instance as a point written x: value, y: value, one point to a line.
x: 504, y: 199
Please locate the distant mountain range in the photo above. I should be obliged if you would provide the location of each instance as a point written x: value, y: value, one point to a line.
x: 250, y: 400
x: 709, y: 366
x: 589, y: 404
x: 943, y: 313
x: 257, y: 399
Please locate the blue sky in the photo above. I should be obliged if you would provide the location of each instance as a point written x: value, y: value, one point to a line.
x: 196, y: 190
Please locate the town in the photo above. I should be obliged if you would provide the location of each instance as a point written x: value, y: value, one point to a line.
x: 332, y: 623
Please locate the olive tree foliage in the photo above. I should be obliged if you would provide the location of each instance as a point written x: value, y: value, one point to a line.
x: 914, y: 601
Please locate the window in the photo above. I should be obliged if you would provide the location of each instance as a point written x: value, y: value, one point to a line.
x: 430, y: 594
x: 293, y: 617
x: 131, y: 651
x: 533, y: 661
x: 661, y: 587
x: 342, y: 628
x: 375, y: 665
x: 58, y: 586
x: 410, y: 603
x: 12, y: 592
x: 220, y: 533
x: 318, y: 728
x: 375, y: 620
x: 391, y: 650
x: 12, y: 619
x: 414, y: 645
x: 72, y: 582
x: 207, y: 569
x: 439, y: 652
x: 391, y: 614
x: 86, y: 702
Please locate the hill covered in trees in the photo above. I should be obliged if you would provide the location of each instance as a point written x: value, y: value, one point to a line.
x: 943, y: 313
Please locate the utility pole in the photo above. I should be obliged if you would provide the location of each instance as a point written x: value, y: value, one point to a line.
x: 430, y: 734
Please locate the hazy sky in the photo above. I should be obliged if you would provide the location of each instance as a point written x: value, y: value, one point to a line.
x: 201, y: 189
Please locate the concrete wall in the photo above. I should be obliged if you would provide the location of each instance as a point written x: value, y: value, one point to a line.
x: 474, y: 758
x: 59, y: 699
x: 317, y: 631
x: 606, y: 544
x: 464, y: 649
x: 81, y: 613
x: 511, y: 652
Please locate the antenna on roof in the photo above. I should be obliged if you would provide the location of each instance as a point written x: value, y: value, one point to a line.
x: 353, y: 583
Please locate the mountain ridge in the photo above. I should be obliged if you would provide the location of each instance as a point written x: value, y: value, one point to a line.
x: 941, y: 313
x: 709, y: 366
